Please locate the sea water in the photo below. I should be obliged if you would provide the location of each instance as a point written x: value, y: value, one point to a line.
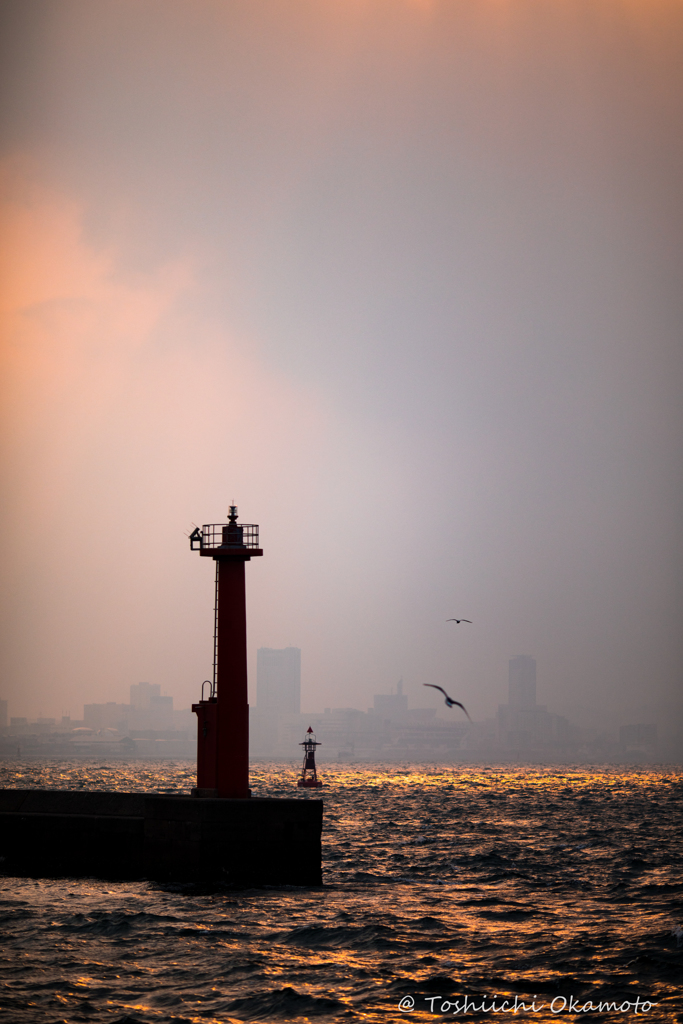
x: 451, y: 892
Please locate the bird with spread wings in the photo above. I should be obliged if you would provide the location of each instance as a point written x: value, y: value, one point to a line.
x: 449, y: 702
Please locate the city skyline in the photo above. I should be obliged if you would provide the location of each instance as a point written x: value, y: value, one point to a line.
x: 520, y: 726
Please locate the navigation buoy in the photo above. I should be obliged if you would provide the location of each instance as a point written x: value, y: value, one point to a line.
x: 309, y: 776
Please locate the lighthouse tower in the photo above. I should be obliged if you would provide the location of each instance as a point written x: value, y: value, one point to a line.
x: 223, y: 711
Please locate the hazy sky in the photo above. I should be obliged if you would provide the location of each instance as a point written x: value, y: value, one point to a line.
x: 403, y: 280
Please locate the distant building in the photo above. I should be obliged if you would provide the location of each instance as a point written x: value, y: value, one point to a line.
x: 149, y: 709
x: 522, y: 683
x: 274, y: 723
x: 390, y: 705
x: 148, y: 727
x: 141, y: 695
x: 3, y: 714
x: 638, y: 736
x: 107, y: 716
x: 522, y: 723
x: 278, y: 681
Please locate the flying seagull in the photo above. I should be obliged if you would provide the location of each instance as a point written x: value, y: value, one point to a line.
x: 458, y: 621
x: 449, y: 700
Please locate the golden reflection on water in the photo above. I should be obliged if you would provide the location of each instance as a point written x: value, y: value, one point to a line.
x: 277, y: 778
x: 511, y: 779
x: 500, y: 879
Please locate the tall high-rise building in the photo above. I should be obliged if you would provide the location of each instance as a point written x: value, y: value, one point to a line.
x: 522, y: 683
x: 522, y: 723
x: 278, y: 680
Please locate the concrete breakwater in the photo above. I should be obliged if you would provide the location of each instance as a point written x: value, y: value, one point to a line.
x: 52, y: 833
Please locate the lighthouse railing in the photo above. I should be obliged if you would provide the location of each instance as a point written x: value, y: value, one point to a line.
x: 211, y: 536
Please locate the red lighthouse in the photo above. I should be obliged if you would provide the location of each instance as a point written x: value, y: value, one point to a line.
x: 223, y: 716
